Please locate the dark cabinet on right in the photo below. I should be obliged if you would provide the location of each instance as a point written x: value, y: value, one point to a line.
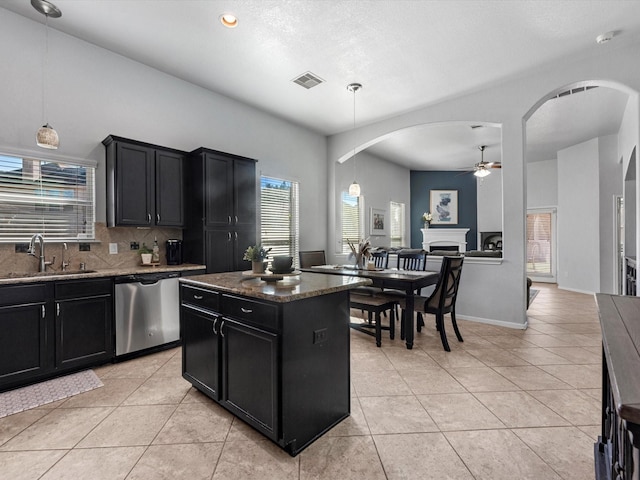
x: 221, y: 211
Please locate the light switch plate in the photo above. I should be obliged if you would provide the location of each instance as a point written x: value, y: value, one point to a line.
x: 113, y: 248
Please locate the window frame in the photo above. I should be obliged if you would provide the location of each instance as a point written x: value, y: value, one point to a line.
x: 43, y: 203
x: 360, y: 227
x: 293, y: 241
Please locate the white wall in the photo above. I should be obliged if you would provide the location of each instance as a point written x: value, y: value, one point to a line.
x: 381, y: 182
x: 489, y: 198
x: 94, y: 92
x: 610, y: 185
x: 508, y: 104
x: 627, y: 142
x: 542, y: 184
x: 579, y: 218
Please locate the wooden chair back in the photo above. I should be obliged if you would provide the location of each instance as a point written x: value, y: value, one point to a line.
x: 311, y: 258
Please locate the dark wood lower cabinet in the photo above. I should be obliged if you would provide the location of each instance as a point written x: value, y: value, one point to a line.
x: 51, y: 328
x: 244, y: 375
x: 283, y: 368
x: 25, y: 334
x: 84, y: 318
x: 200, y: 364
x: 617, y: 452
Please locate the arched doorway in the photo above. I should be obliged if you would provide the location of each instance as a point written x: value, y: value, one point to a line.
x: 572, y: 174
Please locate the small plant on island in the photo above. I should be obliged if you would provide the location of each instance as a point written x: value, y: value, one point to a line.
x: 256, y: 253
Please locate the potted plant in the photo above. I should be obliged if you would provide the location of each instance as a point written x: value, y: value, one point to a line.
x: 257, y: 254
x: 145, y: 254
x: 427, y: 218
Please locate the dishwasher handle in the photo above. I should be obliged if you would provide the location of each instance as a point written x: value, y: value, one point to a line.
x: 146, y: 279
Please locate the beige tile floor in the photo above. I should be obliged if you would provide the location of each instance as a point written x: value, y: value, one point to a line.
x: 505, y: 404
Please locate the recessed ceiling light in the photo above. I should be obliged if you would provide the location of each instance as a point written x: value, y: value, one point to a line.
x: 605, y: 37
x: 229, y: 20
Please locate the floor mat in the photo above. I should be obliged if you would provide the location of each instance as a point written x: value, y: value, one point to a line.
x: 49, y: 391
x: 532, y: 294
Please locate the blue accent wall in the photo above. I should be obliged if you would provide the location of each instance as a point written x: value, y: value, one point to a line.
x: 423, y: 182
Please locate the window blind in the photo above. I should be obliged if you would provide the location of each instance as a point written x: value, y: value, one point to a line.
x: 397, y: 224
x: 279, y: 217
x: 350, y: 221
x: 39, y: 196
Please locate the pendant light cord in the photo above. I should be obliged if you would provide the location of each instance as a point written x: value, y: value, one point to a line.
x: 354, y: 132
x: 45, y: 66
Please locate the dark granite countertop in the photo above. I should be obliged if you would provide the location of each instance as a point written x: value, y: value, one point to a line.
x: 288, y: 289
x: 7, y: 278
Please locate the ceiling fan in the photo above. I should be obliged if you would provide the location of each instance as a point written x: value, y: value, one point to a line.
x: 482, y: 168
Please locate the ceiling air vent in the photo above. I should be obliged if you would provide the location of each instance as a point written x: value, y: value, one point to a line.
x: 308, y: 80
x: 574, y: 91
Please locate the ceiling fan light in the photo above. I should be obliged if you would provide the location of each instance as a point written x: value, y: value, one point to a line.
x: 47, y: 137
x: 354, y: 189
x: 481, y: 172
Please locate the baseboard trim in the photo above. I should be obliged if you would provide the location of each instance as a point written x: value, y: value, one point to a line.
x: 496, y: 323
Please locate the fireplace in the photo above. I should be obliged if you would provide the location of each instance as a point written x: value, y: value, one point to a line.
x: 436, y: 238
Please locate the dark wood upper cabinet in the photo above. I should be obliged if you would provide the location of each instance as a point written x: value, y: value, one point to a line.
x: 145, y: 184
x: 221, y: 211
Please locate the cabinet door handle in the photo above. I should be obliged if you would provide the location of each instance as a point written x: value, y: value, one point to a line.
x: 229, y: 219
x: 236, y: 235
x: 246, y: 310
x: 57, y: 309
x: 228, y: 236
x: 215, y: 320
x: 43, y: 312
x: 221, y: 327
x: 236, y: 219
x: 197, y: 297
x: 157, y: 218
x: 148, y: 218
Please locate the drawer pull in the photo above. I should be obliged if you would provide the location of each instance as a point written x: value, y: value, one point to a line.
x: 246, y: 310
x: 198, y: 297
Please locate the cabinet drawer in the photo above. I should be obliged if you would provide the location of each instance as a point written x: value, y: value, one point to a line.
x: 200, y: 297
x: 256, y: 313
x: 21, y: 294
x: 83, y: 288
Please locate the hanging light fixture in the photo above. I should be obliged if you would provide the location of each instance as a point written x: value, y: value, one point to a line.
x: 481, y: 169
x: 46, y: 136
x: 354, y: 188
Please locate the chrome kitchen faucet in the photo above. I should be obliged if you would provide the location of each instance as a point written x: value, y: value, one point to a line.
x: 42, y: 264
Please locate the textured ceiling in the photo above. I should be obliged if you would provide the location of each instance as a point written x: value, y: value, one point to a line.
x: 407, y: 54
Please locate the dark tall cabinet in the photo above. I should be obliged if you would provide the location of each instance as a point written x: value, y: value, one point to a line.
x: 221, y: 210
x: 145, y: 184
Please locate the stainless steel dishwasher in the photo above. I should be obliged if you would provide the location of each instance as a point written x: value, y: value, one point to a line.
x: 147, y: 311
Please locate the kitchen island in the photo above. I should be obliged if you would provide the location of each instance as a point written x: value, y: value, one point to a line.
x: 273, y: 353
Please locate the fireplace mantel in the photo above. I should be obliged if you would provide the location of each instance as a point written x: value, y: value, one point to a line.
x: 444, y: 237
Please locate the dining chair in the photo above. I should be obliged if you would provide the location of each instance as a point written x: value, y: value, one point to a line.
x: 443, y: 298
x: 413, y: 260
x: 374, y: 305
x: 312, y: 258
x: 408, y: 259
x: 380, y: 259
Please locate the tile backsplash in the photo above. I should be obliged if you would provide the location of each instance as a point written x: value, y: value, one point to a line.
x: 98, y: 257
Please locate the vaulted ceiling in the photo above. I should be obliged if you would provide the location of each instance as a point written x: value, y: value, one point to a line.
x: 408, y: 54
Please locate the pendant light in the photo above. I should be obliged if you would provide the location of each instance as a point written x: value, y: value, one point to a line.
x: 354, y: 188
x: 46, y: 136
x: 481, y: 170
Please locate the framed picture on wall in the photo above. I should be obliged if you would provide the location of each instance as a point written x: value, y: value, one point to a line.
x: 444, y: 207
x: 377, y: 222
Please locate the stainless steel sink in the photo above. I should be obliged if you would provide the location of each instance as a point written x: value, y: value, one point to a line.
x: 43, y: 274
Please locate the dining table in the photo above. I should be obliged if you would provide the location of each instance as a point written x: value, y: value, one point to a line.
x: 411, y: 281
